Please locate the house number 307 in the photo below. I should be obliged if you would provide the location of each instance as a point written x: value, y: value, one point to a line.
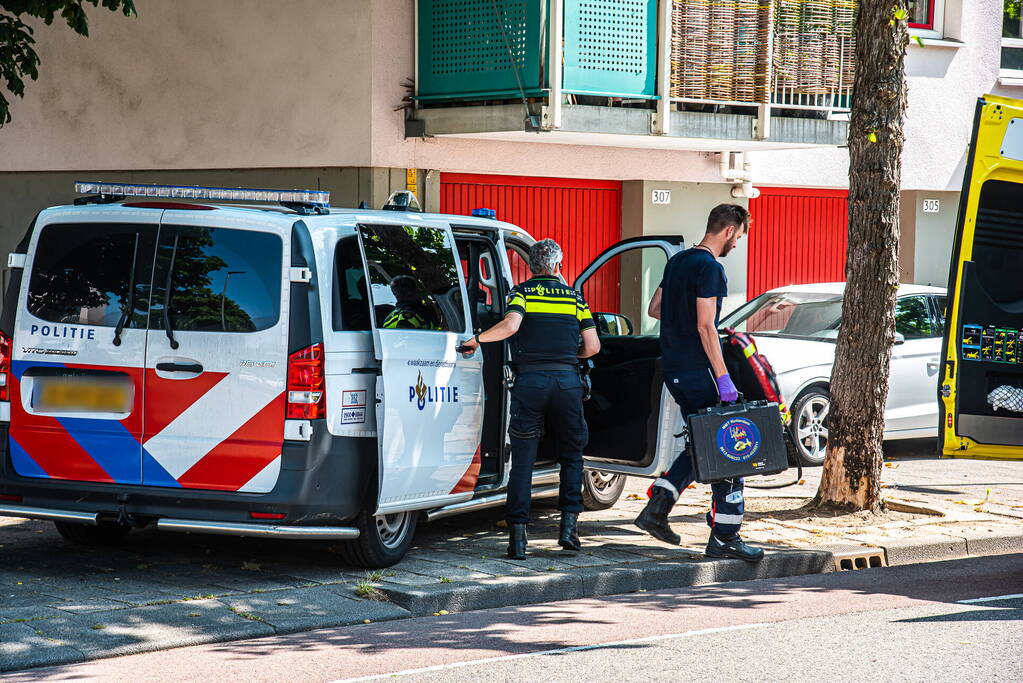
x: 661, y: 196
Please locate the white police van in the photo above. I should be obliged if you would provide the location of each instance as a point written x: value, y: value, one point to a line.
x: 169, y: 359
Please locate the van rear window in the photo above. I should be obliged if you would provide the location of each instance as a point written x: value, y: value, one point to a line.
x: 223, y: 280
x: 81, y: 272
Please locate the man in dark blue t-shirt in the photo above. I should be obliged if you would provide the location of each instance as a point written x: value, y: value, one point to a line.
x: 688, y: 303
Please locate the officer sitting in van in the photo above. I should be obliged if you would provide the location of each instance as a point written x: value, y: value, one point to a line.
x: 547, y: 319
x: 408, y: 313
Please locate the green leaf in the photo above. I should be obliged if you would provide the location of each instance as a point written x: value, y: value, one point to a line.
x: 18, y: 60
x: 872, y: 136
x: 919, y: 40
x: 900, y: 14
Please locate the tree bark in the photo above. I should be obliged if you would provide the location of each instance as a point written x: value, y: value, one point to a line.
x: 859, y: 385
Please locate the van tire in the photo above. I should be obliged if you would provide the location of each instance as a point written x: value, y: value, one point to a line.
x: 383, y: 541
x: 601, y: 490
x: 104, y: 533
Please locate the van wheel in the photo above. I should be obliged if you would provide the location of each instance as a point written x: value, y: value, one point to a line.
x: 601, y: 490
x: 383, y: 539
x: 104, y: 533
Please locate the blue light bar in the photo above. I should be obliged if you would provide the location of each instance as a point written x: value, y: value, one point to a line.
x: 484, y: 213
x: 236, y: 194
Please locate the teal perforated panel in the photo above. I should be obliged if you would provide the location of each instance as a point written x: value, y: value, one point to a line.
x: 611, y: 47
x: 464, y: 54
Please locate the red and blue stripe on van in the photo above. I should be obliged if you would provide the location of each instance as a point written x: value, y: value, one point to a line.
x: 113, y: 451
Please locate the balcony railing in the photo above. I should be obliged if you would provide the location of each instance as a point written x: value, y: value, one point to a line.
x: 670, y: 54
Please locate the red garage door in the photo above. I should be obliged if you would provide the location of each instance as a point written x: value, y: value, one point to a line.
x: 583, y: 216
x: 798, y: 236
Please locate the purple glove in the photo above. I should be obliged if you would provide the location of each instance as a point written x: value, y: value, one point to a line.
x: 726, y: 390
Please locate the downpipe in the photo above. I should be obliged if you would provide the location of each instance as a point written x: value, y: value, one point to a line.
x: 741, y: 175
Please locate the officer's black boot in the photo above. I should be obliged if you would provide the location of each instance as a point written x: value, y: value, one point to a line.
x: 517, y: 541
x: 654, y: 518
x: 732, y: 547
x: 568, y: 538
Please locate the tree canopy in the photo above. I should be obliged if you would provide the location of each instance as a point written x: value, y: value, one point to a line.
x: 18, y: 58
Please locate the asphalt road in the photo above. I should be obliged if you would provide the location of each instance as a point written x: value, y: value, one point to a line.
x: 912, y: 623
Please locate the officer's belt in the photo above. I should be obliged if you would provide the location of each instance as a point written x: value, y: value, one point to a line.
x: 546, y: 365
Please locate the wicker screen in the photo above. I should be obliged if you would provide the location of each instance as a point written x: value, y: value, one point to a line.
x: 814, y: 51
x: 719, y: 50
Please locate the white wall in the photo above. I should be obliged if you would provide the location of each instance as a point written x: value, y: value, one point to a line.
x: 193, y: 84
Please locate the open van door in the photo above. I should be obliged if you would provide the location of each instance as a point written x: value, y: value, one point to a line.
x: 981, y: 392
x: 429, y: 397
x: 631, y: 416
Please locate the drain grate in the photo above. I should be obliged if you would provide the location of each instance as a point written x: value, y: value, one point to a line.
x: 867, y: 558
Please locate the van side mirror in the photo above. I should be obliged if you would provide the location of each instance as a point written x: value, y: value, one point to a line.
x: 900, y: 338
x: 613, y: 324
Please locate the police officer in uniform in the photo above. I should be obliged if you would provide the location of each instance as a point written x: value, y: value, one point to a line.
x: 547, y: 319
x: 409, y: 312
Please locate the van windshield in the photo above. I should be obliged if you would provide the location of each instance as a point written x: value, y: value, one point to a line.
x: 805, y: 315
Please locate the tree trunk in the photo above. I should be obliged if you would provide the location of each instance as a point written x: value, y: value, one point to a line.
x: 859, y: 386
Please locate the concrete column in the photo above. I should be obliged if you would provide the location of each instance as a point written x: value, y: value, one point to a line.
x: 685, y: 214
x: 907, y: 235
x: 934, y: 232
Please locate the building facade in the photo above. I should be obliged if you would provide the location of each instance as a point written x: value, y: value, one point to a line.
x: 635, y: 118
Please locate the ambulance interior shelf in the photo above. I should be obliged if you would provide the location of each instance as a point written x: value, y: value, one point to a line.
x: 990, y: 351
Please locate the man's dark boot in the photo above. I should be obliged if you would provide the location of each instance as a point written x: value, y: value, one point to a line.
x: 517, y: 541
x: 568, y: 538
x: 732, y: 547
x: 654, y: 518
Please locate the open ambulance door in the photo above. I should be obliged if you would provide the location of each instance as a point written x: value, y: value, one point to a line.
x: 429, y: 398
x: 631, y: 416
x: 981, y: 392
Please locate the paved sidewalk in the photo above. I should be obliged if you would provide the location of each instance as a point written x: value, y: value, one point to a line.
x: 61, y: 603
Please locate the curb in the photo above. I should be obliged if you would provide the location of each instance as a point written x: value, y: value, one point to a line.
x: 590, y: 582
x: 951, y: 546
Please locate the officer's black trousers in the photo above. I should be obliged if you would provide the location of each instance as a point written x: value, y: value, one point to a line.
x: 558, y: 395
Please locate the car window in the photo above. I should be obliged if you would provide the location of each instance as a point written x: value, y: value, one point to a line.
x: 414, y: 279
x: 222, y: 280
x: 940, y: 313
x: 518, y: 260
x: 81, y: 272
x: 622, y: 287
x: 351, y: 298
x: 798, y: 314
x: 913, y: 319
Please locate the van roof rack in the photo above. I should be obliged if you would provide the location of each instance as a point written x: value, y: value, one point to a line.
x: 301, y: 201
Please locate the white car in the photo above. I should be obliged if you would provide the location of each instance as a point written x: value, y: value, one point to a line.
x: 796, y: 328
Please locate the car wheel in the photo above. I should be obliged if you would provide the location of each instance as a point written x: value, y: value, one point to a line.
x: 104, y: 533
x: 601, y: 490
x: 809, y: 428
x: 383, y: 539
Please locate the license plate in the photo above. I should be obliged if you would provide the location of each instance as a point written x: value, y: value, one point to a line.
x: 84, y: 396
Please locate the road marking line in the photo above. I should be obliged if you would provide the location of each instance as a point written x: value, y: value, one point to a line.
x: 993, y: 598
x: 559, y: 651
